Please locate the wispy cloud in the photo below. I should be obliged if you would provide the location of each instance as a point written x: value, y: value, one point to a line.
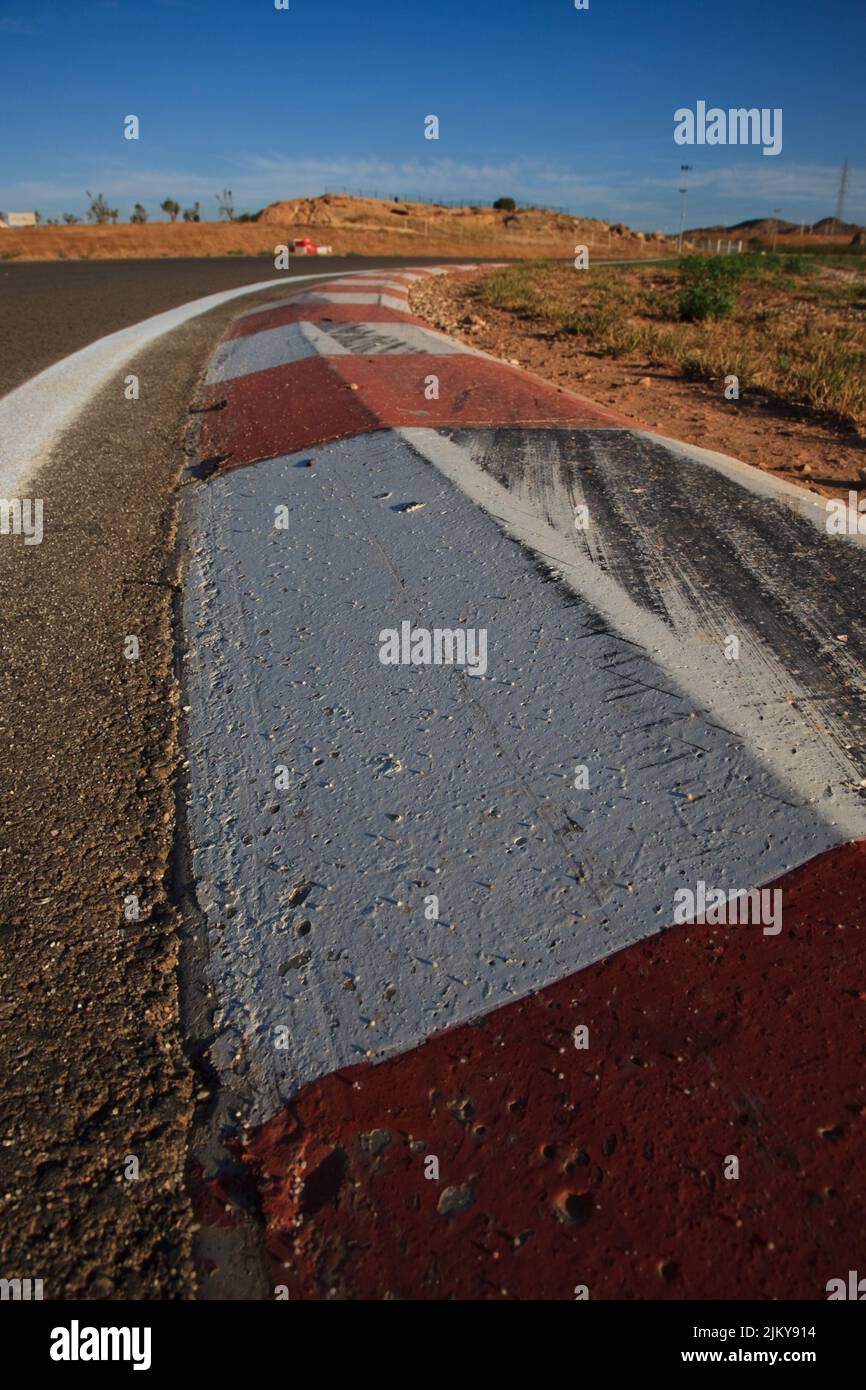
x: 259, y: 179
x: 644, y: 199
x: 803, y: 183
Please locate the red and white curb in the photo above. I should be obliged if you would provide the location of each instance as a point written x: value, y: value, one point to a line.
x: 400, y: 861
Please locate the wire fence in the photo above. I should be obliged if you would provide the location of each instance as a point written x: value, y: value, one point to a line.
x: 442, y: 202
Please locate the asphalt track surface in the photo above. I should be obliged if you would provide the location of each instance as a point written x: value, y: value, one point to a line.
x: 89, y: 1007
x: 52, y: 308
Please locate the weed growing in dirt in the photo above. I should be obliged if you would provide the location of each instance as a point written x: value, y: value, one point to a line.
x: 707, y: 287
x: 790, y: 325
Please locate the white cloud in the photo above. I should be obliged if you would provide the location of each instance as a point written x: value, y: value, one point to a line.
x: 724, y: 193
x: 256, y: 180
x: 765, y: 186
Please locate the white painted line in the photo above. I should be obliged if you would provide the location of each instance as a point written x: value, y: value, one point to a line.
x: 363, y: 275
x: 275, y: 347
x: 384, y: 301
x: 271, y: 347
x: 266, y: 308
x: 34, y: 413
x: 352, y: 284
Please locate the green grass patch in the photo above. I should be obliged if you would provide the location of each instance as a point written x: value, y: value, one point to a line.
x: 772, y: 320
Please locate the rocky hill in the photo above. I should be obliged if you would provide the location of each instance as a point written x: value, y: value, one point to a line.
x: 350, y: 225
x: 760, y: 228
x: 360, y: 224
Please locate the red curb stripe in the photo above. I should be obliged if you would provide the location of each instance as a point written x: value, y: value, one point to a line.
x: 360, y: 287
x: 318, y: 312
x: 278, y: 411
x: 603, y: 1167
x: 319, y: 399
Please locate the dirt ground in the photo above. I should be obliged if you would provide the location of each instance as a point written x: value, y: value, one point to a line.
x: 791, y: 443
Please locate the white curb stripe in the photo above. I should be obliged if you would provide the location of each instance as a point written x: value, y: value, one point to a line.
x: 410, y: 781
x: 275, y: 347
x: 383, y: 284
x: 385, y: 301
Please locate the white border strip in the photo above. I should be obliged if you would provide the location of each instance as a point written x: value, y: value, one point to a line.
x: 32, y: 414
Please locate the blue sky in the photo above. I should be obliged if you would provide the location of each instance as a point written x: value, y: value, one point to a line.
x: 535, y: 99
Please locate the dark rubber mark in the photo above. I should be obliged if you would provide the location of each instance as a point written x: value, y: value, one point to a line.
x: 680, y: 536
x: 207, y: 467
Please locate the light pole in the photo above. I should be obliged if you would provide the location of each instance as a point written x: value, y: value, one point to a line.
x: 684, y: 169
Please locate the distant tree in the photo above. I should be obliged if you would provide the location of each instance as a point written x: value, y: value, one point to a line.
x: 70, y: 219
x: 138, y: 214
x: 171, y: 207
x: 113, y: 215
x: 192, y: 214
x: 505, y: 205
x: 38, y: 216
x: 226, y: 204
x: 99, y: 211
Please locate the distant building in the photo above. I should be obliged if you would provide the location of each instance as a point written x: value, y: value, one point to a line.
x: 17, y: 219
